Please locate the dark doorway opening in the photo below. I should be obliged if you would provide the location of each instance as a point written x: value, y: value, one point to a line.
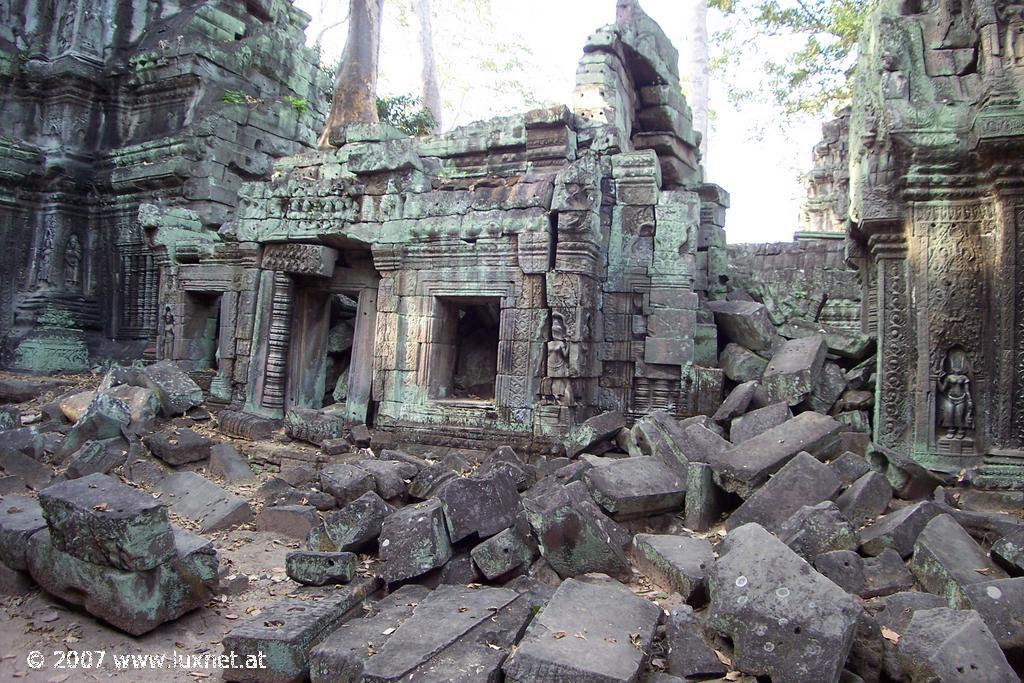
x: 466, y: 349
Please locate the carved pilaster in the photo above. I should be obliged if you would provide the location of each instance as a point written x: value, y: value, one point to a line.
x: 278, y: 336
x: 892, y: 410
x: 1018, y: 348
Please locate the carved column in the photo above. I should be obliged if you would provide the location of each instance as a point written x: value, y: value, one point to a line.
x: 278, y: 335
x: 1018, y: 329
x: 895, y: 347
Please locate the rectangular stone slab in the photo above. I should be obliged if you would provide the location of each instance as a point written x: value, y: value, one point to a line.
x: 98, y: 519
x: 20, y: 517
x: 134, y: 601
x: 946, y: 560
x: 617, y: 628
x: 803, y: 480
x: 197, y: 498
x: 636, y: 487
x: 286, y: 632
x: 437, y: 622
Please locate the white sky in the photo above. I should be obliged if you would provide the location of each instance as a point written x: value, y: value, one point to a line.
x: 760, y: 171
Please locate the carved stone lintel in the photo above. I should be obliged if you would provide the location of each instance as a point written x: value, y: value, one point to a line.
x: 300, y: 259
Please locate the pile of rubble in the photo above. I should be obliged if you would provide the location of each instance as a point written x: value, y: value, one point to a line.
x: 753, y: 542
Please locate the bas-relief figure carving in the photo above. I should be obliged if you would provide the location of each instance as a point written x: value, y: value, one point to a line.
x: 956, y: 406
x: 73, y: 263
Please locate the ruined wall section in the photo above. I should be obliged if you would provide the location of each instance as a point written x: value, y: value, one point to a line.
x: 107, y: 105
x: 826, y: 209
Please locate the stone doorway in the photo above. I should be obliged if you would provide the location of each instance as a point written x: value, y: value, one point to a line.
x: 465, y: 359
x: 200, y: 329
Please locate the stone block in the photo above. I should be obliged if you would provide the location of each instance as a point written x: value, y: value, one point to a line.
x: 895, y: 615
x: 746, y: 427
x: 689, y: 654
x: 794, y: 369
x: 135, y: 601
x: 313, y: 568
x: 179, y: 446
x: 946, y: 560
x: 142, y: 405
x: 413, y: 541
x: 195, y: 497
x: 345, y: 482
x: 504, y: 458
x: 245, y: 425
x: 909, y: 480
x: 1008, y: 552
x: 786, y: 620
x: 389, y: 476
x: 293, y: 521
x: 507, y: 550
x: 865, y: 499
x: 283, y: 635
x: 705, y: 501
x: 898, y: 530
x: 745, y: 323
x: 635, y: 487
x: 619, y: 628
x: 816, y: 529
x: 740, y: 364
x: 20, y: 517
x: 15, y: 583
x: 747, y: 466
x: 480, y: 504
x: 575, y: 537
x: 352, y: 527
x: 737, y: 402
x: 1000, y: 604
x: 34, y: 473
x: 850, y: 467
x: 593, y: 431
x: 801, y: 481
x: 679, y: 563
x: 851, y: 346
x: 313, y: 426
x: 228, y: 464
x: 105, y: 418
x: 948, y: 645
x: 97, y: 457
x: 827, y: 389
x: 174, y: 389
x: 102, y: 521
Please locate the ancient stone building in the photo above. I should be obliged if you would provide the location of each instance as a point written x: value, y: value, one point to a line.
x: 106, y: 104
x: 937, y: 207
x: 824, y: 213
x: 502, y: 281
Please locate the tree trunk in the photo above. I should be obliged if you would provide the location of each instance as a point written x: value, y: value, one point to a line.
x: 698, y: 71
x: 355, y: 87
x: 429, y: 93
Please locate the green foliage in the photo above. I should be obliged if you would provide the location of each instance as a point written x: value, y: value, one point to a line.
x: 299, y: 104
x: 406, y: 113
x: 233, y: 97
x: 809, y: 76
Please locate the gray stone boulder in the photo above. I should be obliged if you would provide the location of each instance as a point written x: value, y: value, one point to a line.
x: 943, y: 644
x: 195, y: 497
x: 792, y: 373
x: 352, y: 527
x: 850, y: 467
x: 816, y: 529
x: 179, y: 446
x: 1008, y: 552
x: 593, y: 432
x: 899, y: 529
x: 345, y: 482
x: 947, y: 560
x: 679, y: 563
x: 313, y: 568
x: 865, y: 499
x: 740, y: 364
x: 20, y: 517
x: 413, y: 541
x: 635, y: 487
x: 389, y: 476
x: 745, y: 323
x: 228, y: 464
x: 97, y: 457
x: 293, y: 521
x: 174, y: 389
x: 688, y: 652
x: 1000, y: 604
x: 786, y: 620
x: 746, y: 427
x: 479, y: 504
x: 508, y: 550
x: 617, y: 629
x: 737, y: 402
x: 802, y: 481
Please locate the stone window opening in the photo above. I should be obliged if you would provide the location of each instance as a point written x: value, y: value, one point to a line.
x: 465, y: 353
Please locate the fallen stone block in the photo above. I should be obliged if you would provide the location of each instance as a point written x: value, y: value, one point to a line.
x: 659, y: 436
x: 314, y: 426
x: 293, y: 521
x: 678, y: 563
x: 73, y: 406
x: 1000, y: 604
x: 174, y: 389
x: 746, y: 427
x: 689, y: 655
x: 352, y: 527
x: 430, y: 480
x: 246, y: 425
x: 13, y: 485
x: 342, y: 655
x: 898, y: 530
x: 277, y: 492
x: 802, y: 481
x: 313, y: 568
x: 283, y: 635
x: 142, y: 405
x: 946, y: 560
x: 745, y: 323
x: 794, y: 369
x: 505, y: 551
x: 480, y: 504
x: 850, y: 467
x: 413, y: 541
x: 786, y: 620
x: 460, y: 570
x: 987, y: 527
x: 740, y: 364
x: 635, y: 487
x: 908, y: 479
x: 868, y: 578
x: 705, y: 501
x: 948, y: 645
x: 25, y: 441
x: 179, y: 446
x: 134, y: 601
x: 618, y: 626
x: 827, y: 388
x: 1008, y: 552
x: 228, y: 464
x: 840, y: 342
x: 15, y: 583
x: 20, y: 517
x: 737, y: 402
x: 100, y: 520
x: 360, y: 436
x: 865, y: 499
x: 105, y: 418
x: 576, y: 537
x: 747, y: 466
x: 895, y: 615
x: 389, y: 476
x: 195, y: 497
x: 505, y: 458
x: 31, y: 471
x: 698, y: 443
x: 598, y: 430
x: 345, y: 482
x: 816, y: 529
x: 97, y: 457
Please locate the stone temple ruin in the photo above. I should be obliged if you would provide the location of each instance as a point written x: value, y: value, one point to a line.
x: 502, y: 402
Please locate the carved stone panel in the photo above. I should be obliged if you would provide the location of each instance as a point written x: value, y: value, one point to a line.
x: 300, y: 259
